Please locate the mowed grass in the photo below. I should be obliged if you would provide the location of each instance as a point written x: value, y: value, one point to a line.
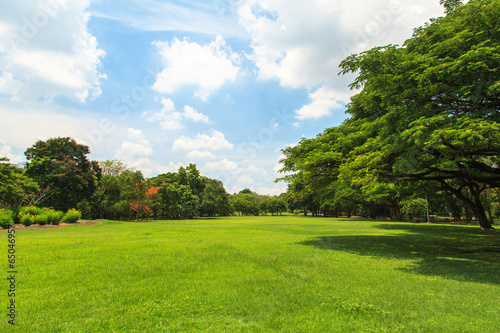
x: 256, y: 274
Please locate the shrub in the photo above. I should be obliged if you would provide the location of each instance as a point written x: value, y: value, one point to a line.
x: 54, y: 217
x: 40, y: 219
x: 26, y: 219
x: 6, y: 218
x: 36, y: 215
x: 72, y: 216
x: 32, y: 210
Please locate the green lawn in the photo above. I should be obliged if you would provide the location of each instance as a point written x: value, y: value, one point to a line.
x: 264, y: 274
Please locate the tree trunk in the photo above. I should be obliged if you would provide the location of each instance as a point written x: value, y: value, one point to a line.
x: 480, y: 212
x: 474, y: 204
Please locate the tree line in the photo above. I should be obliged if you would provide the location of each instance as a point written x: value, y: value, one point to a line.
x: 424, y: 125
x: 59, y: 175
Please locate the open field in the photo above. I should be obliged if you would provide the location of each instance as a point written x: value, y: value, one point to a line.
x: 256, y: 274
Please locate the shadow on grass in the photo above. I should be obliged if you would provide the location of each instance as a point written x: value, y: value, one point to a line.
x: 458, y: 253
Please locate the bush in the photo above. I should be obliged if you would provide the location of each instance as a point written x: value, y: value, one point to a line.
x: 414, y: 207
x: 32, y: 210
x: 36, y: 215
x: 72, y: 216
x: 26, y: 219
x: 54, y: 217
x: 40, y: 219
x: 6, y: 218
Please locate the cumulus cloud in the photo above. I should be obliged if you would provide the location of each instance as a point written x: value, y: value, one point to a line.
x: 323, y: 101
x: 23, y: 126
x: 46, y: 51
x: 6, y: 151
x: 135, y: 150
x: 171, y: 119
x: 301, y: 43
x: 192, y: 114
x: 215, y: 140
x: 207, y: 67
x: 222, y: 165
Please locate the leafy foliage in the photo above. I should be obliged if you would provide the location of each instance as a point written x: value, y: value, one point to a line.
x: 62, y: 165
x: 14, y: 186
x: 425, y: 121
x: 72, y: 216
x: 6, y: 218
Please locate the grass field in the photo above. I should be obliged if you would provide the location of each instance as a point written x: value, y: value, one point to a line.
x: 256, y: 274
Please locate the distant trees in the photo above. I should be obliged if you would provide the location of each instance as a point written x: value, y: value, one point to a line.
x: 187, y: 194
x: 426, y: 121
x: 15, y: 188
x: 248, y: 203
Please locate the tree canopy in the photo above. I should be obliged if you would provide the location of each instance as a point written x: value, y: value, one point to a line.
x: 426, y: 117
x: 62, y: 165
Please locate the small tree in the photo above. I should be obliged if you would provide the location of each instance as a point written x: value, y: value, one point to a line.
x: 414, y: 207
x: 14, y: 186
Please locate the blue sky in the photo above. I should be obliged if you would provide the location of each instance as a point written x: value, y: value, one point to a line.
x: 160, y: 84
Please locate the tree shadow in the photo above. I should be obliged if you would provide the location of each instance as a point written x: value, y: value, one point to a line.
x: 451, y: 252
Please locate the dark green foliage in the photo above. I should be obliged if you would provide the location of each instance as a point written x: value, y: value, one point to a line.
x: 62, y: 165
x: 6, y: 218
x: 425, y: 122
x: 14, y: 186
x: 215, y: 200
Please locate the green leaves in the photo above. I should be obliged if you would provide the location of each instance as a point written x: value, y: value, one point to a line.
x: 427, y: 111
x: 62, y: 165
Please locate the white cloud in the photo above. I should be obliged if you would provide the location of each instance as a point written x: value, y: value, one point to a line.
x: 222, y: 165
x: 206, y: 67
x: 22, y: 126
x: 323, y: 102
x: 195, y: 154
x: 170, y: 119
x: 301, y: 43
x: 205, y: 17
x: 171, y: 167
x: 277, y: 190
x: 245, y: 180
x: 214, y: 141
x: 6, y: 151
x: 46, y: 51
x: 194, y: 115
x: 135, y: 151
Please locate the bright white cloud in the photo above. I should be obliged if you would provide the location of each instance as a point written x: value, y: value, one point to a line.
x: 170, y: 119
x: 6, y: 151
x: 207, y: 67
x: 215, y: 140
x: 21, y: 127
x: 46, y: 51
x: 135, y: 150
x: 277, y: 190
x: 301, y: 43
x: 323, y: 101
x: 192, y: 114
x: 222, y: 165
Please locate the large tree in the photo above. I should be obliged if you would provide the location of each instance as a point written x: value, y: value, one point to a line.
x: 62, y: 165
x: 426, y: 117
x: 436, y: 100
